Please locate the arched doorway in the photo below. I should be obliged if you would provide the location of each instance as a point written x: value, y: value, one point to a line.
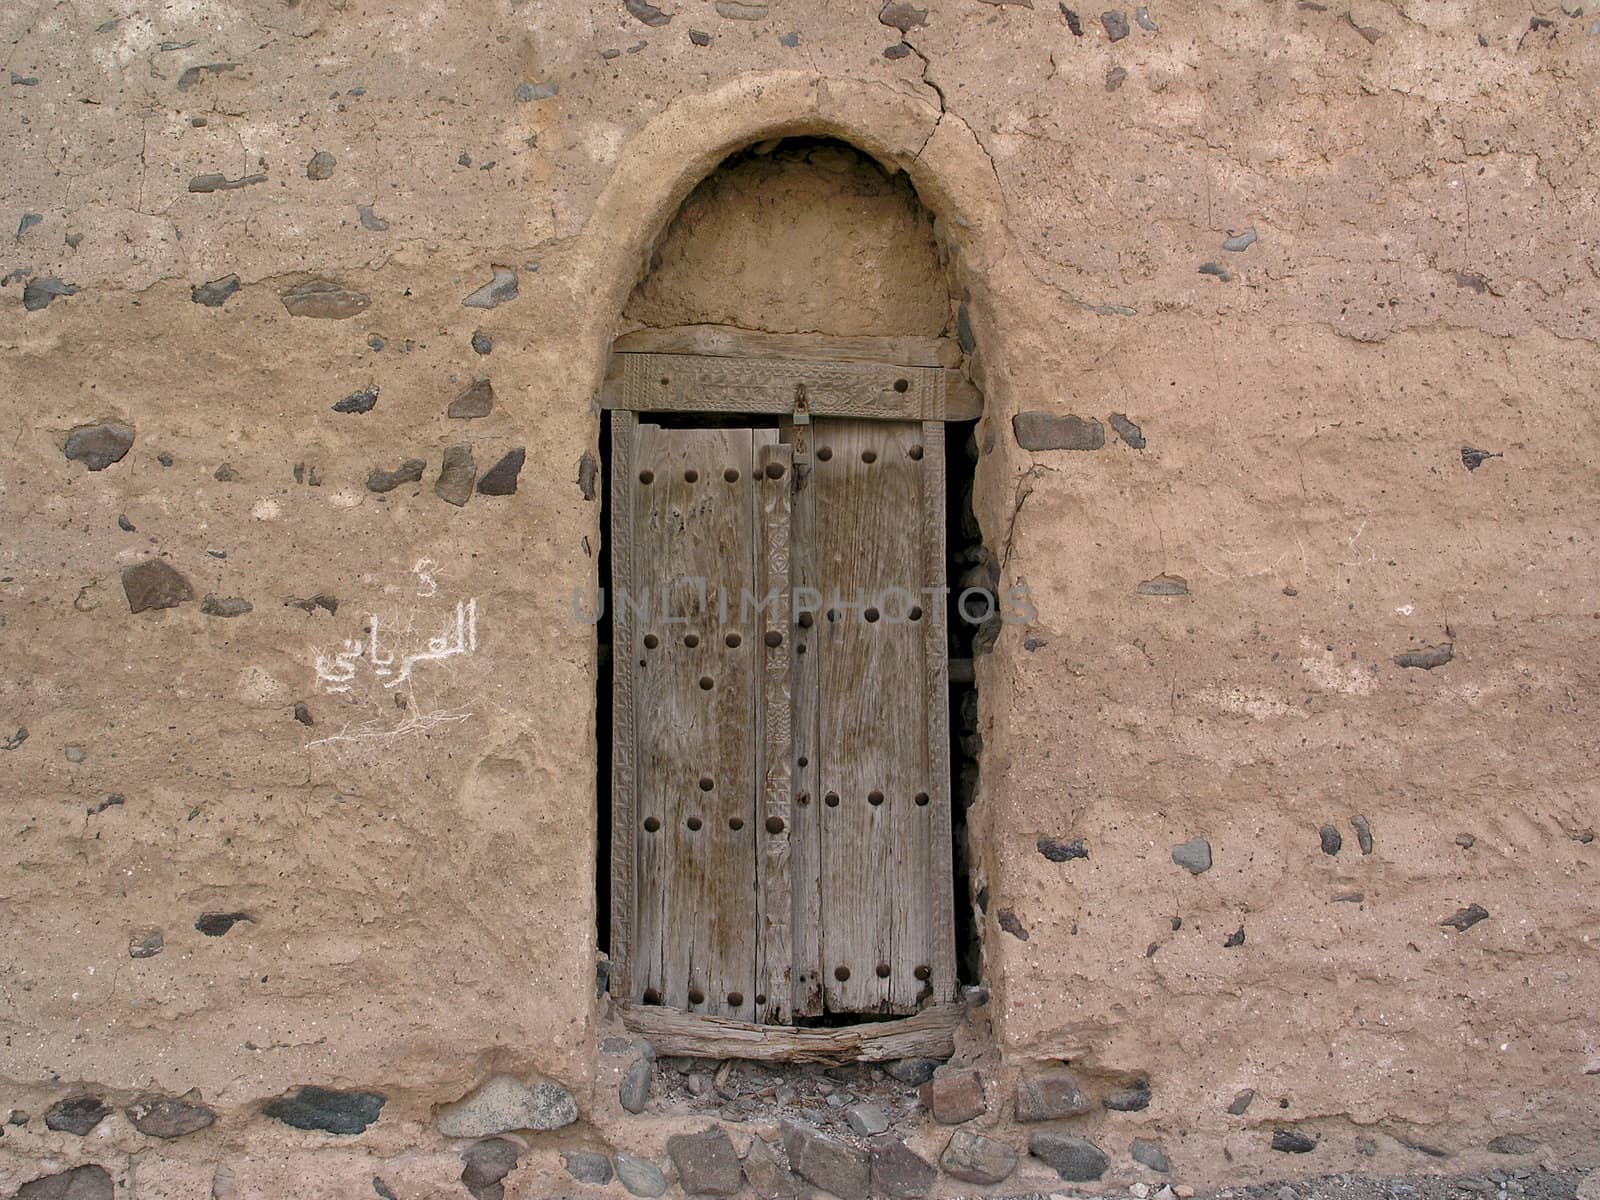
x: 781, y: 784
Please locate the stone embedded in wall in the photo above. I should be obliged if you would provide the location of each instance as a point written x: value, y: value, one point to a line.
x: 484, y: 1164
x: 912, y: 1071
x: 1012, y: 924
x: 499, y: 290
x: 501, y: 479
x: 1216, y: 271
x: 954, y: 1096
x: 1074, y: 22
x: 902, y: 16
x: 1473, y: 458
x: 76, y: 1114
x: 170, y: 1116
x: 648, y: 13
x: 1142, y: 15
x: 639, y: 1176
x: 1149, y: 1154
x: 866, y: 1120
x: 1128, y: 431
x: 226, y: 474
x: 225, y: 606
x: 898, y: 1172
x: 1164, y: 585
x: 1512, y: 1143
x: 193, y: 75
x: 1116, y: 24
x: 482, y: 343
x: 321, y: 166
x: 1058, y: 850
x: 329, y: 1110
x: 1427, y: 659
x: 706, y: 1162
x: 1466, y: 918
x: 588, y: 473
x: 1193, y: 856
x: 1292, y: 1141
x: 98, y: 446
x: 370, y: 220
x: 1234, y: 940
x: 830, y: 1164
x: 738, y: 10
x: 527, y: 92
x: 767, y: 1177
x: 587, y: 1166
x: 302, y: 713
x: 974, y: 1158
x: 154, y: 584
x: 215, y: 181
x: 1241, y: 1102
x: 216, y: 924
x: 1240, y: 242
x: 409, y: 471
x: 88, y: 1182
x: 1050, y: 1096
x: 1050, y: 431
x: 1332, y: 843
x: 1133, y: 1098
x: 456, y: 476
x: 145, y: 943
x: 699, y: 37
x: 476, y: 401
x: 215, y: 293
x: 358, y: 402
x: 1075, y: 1159
x: 38, y: 293
x: 504, y: 1103
x: 324, y: 300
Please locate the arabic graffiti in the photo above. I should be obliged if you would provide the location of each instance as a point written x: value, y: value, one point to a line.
x: 337, y: 672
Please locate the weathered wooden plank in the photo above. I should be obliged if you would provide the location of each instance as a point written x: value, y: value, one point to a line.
x: 623, y: 742
x: 694, y: 551
x: 726, y: 341
x: 934, y: 817
x: 805, y: 842
x: 928, y: 1034
x: 877, y: 875
x: 875, y: 391
x: 770, y: 628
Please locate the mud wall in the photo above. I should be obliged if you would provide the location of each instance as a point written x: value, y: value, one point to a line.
x: 1289, y: 268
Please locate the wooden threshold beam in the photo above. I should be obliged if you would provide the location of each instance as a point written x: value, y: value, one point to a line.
x: 929, y: 1034
x: 727, y: 341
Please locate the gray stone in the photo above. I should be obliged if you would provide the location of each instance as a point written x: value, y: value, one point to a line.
x: 88, y: 1182
x: 226, y: 474
x: 527, y: 92
x: 504, y: 1103
x: 215, y: 924
x: 370, y: 219
x: 170, y: 1116
x: 867, y: 1120
x: 1133, y: 1098
x: 1427, y: 658
x: 1466, y: 918
x: 454, y: 485
x: 902, y: 16
x: 1240, y: 242
x: 1332, y: 843
x: 828, y: 1163
x: 1116, y: 23
x: 38, y: 293
x: 1241, y: 1102
x: 1150, y: 1154
x: 409, y: 471
x: 482, y: 343
x: 912, y: 1071
x: 501, y: 479
x: 302, y: 713
x: 1142, y: 15
x: 29, y: 220
x: 75, y: 754
x: 1164, y: 585
x: 699, y: 37
x: 588, y: 474
x: 1012, y: 924
x: 737, y: 10
x: 899, y: 1172
x: 1363, y: 829
x: 1193, y: 856
x: 76, y: 1114
x: 225, y: 606
x: 145, y: 943
x: 954, y: 1096
x: 648, y: 13
x: 485, y: 1164
x: 587, y: 1166
x: 476, y: 401
x: 973, y: 1158
x: 215, y: 293
x: 330, y: 1110
x: 706, y: 1162
x: 1050, y: 1096
x: 358, y: 402
x: 640, y: 1176
x: 1216, y: 271
x: 1058, y: 851
x: 1052, y: 431
x: 1128, y: 431
x: 1075, y: 1159
x: 98, y: 446
x: 324, y: 300
x: 321, y: 165
x: 1292, y: 1141
x: 154, y: 584
x: 499, y: 290
x: 214, y: 181
x: 1512, y: 1143
x: 767, y: 1177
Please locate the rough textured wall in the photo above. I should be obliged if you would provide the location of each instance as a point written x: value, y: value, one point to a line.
x: 415, y: 875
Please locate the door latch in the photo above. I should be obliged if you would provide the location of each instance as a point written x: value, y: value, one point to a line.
x: 802, y: 406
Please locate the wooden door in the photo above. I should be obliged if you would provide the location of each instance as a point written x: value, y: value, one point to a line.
x: 781, y: 810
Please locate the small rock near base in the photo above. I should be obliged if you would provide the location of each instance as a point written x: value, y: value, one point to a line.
x: 1292, y: 1141
x: 973, y: 1158
x: 76, y: 1114
x: 98, y: 446
x: 827, y: 1162
x: 954, y: 1097
x: 503, y: 1104
x: 899, y: 1172
x: 706, y: 1162
x: 170, y: 1116
x: 1048, y: 431
x: 1193, y: 856
x: 1149, y: 1154
x: 586, y: 1166
x: 1050, y: 1096
x: 329, y: 1110
x: 640, y: 1176
x: 88, y: 1182
x: 1075, y: 1159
